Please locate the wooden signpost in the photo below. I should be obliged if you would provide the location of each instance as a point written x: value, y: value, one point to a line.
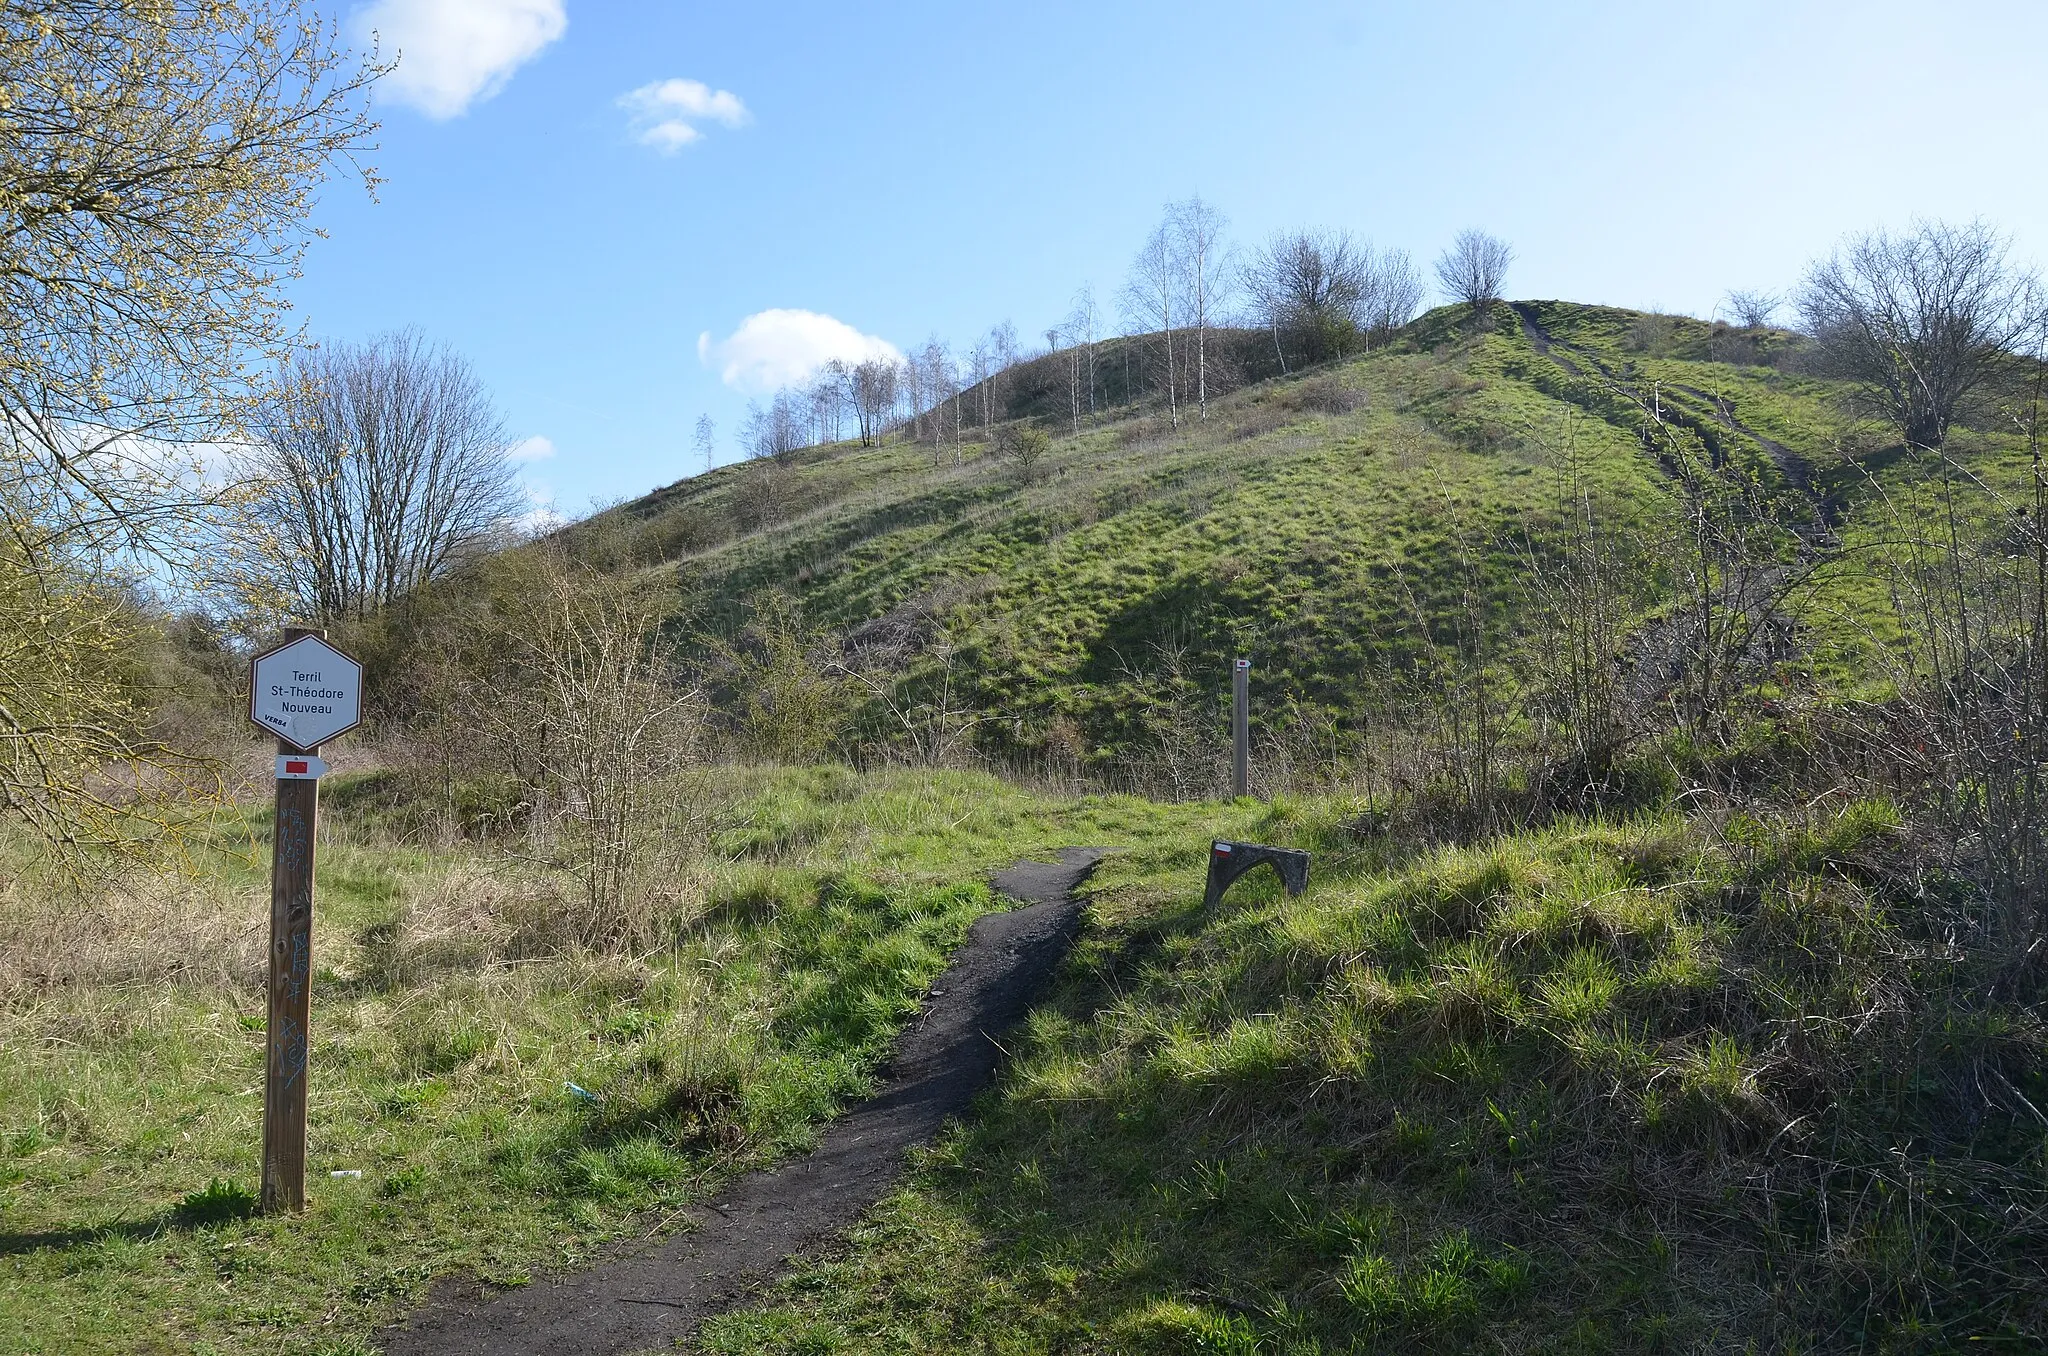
x: 305, y: 692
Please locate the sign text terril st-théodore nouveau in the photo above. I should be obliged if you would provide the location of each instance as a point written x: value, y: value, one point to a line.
x: 306, y: 692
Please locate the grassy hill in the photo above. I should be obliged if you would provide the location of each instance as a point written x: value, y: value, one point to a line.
x: 1359, y: 531
x: 1658, y: 988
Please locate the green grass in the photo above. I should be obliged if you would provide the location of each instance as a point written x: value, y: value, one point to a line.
x: 1649, y: 1084
x: 1627, y: 1087
x: 1305, y: 524
x: 1324, y: 524
x: 445, y: 1053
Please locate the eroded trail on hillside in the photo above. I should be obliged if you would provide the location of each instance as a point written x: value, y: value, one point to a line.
x: 655, y: 1294
x: 1797, y: 470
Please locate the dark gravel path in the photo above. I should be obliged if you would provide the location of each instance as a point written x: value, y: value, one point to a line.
x: 655, y: 1294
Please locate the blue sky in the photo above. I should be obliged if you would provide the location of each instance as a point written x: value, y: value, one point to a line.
x: 576, y: 192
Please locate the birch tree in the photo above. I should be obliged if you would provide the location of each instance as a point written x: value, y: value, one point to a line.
x: 955, y: 379
x: 980, y: 369
x: 910, y: 390
x: 1152, y: 299
x: 1085, y: 326
x: 1070, y: 370
x: 936, y: 360
x: 1002, y: 346
x: 706, y: 441
x: 775, y: 430
x: 873, y: 384
x: 830, y: 393
x: 1196, y: 234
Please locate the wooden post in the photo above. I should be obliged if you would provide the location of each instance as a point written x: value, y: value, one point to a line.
x: 291, y: 984
x: 1241, y: 728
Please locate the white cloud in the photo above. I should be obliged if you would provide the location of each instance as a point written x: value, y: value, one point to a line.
x: 170, y: 469
x: 541, y: 516
x: 453, y: 53
x: 535, y: 448
x: 665, y: 114
x: 782, y: 347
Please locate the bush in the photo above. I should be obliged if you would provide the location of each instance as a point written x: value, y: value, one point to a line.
x: 1023, y: 446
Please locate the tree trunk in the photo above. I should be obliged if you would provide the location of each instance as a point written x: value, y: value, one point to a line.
x: 1172, y: 393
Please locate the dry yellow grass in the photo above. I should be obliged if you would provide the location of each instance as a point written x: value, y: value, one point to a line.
x: 135, y: 930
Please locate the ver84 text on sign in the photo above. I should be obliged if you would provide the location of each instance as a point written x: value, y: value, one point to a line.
x: 306, y: 692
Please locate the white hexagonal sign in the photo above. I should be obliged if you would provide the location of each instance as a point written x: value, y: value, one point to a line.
x: 306, y: 692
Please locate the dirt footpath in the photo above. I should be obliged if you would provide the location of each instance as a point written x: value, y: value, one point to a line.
x: 655, y: 1294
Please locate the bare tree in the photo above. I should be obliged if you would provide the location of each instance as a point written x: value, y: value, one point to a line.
x: 1473, y: 269
x: 1079, y: 367
x: 1967, y: 568
x: 1753, y: 310
x: 1066, y: 370
x: 1393, y: 295
x: 1025, y: 446
x: 910, y: 391
x: 1152, y: 298
x: 1919, y: 321
x: 1207, y: 275
x: 1003, y: 355
x: 1587, y: 577
x: 384, y: 465
x: 1325, y: 289
x: 706, y: 441
x: 956, y: 379
x: 830, y: 394
x: 1085, y: 326
x: 874, y: 398
x: 933, y: 367
x: 756, y: 441
x: 1313, y: 287
x: 981, y: 366
x: 777, y: 429
x: 569, y: 690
